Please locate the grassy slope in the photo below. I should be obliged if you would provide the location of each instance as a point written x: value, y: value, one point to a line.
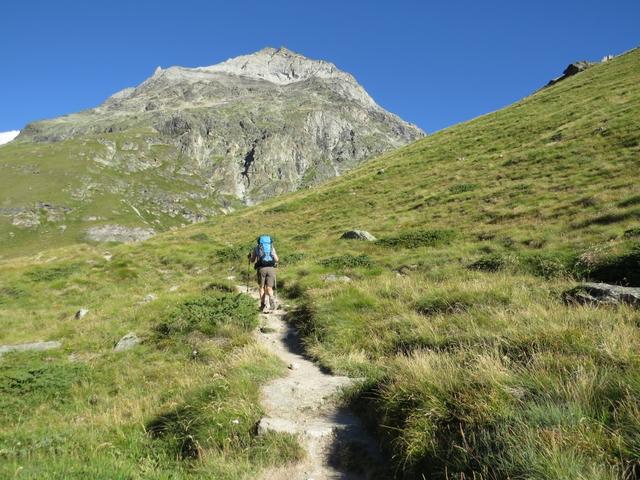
x: 474, y: 364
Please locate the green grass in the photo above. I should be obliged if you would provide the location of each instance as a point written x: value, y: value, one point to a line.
x: 474, y: 366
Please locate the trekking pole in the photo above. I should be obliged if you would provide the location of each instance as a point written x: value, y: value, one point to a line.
x: 248, y: 273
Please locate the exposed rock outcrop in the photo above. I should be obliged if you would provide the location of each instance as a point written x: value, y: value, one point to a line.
x: 603, y: 294
x: 358, y: 235
x: 119, y: 233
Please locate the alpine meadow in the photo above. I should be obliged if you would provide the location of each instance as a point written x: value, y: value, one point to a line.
x: 472, y: 354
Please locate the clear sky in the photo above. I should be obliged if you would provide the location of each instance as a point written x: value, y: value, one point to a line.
x: 433, y: 63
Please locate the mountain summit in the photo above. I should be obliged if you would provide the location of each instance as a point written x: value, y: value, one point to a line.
x: 191, y: 143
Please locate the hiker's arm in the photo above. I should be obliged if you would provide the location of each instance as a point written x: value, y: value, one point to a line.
x: 275, y: 255
x: 252, y: 256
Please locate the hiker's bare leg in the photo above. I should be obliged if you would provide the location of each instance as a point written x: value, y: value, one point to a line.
x: 262, y: 292
x: 272, y: 300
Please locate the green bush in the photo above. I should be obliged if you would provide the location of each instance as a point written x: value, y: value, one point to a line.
x: 418, y: 238
x: 291, y: 258
x: 29, y: 379
x: 457, y: 301
x: 549, y: 264
x: 233, y: 253
x: 10, y: 292
x: 200, y: 237
x: 208, y: 313
x: 632, y: 232
x: 49, y: 274
x: 463, y: 187
x: 619, y: 269
x: 490, y: 263
x: 347, y: 261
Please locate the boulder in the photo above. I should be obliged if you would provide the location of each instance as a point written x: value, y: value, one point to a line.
x: 130, y: 340
x: 571, y: 70
x: 358, y: 235
x: 149, y: 298
x: 335, y: 278
x: 80, y: 314
x: 603, y: 294
x: 23, y: 347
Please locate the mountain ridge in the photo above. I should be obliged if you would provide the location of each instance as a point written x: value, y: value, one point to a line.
x: 191, y: 143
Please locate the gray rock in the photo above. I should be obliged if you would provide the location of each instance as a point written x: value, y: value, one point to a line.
x: 130, y: 340
x: 603, y: 294
x: 335, y: 278
x: 119, y: 233
x: 280, y: 425
x: 80, y: 314
x: 358, y: 235
x: 23, y: 347
x: 571, y: 70
x: 150, y: 298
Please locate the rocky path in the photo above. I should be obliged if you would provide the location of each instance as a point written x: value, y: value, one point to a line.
x: 303, y: 403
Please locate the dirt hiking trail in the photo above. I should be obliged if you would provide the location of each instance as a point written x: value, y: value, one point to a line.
x: 304, y: 403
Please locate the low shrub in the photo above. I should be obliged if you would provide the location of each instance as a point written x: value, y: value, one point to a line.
x: 233, y: 253
x: 463, y: 187
x: 49, y: 274
x: 200, y: 237
x: 457, y: 301
x: 632, y: 232
x: 549, y: 264
x: 621, y: 269
x: 11, y: 292
x: 30, y: 379
x: 492, y: 262
x: 208, y: 313
x: 347, y: 261
x: 418, y: 238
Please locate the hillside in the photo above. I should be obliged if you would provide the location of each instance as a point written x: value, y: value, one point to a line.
x: 185, y: 145
x: 474, y: 365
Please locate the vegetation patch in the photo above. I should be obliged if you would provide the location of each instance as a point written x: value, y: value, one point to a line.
x: 549, y: 264
x: 347, y: 261
x: 418, y: 238
x: 233, y: 253
x: 632, y: 232
x: 451, y: 302
x: 490, y: 263
x: 30, y: 379
x: 200, y: 237
x: 463, y: 187
x: 49, y: 274
x: 11, y: 292
x: 621, y: 269
x: 209, y: 313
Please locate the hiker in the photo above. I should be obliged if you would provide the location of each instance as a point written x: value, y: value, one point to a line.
x: 265, y: 260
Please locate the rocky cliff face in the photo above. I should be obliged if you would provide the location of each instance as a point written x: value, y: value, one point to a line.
x: 249, y: 128
x: 191, y: 143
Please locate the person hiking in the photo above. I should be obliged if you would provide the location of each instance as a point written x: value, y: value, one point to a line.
x: 265, y: 260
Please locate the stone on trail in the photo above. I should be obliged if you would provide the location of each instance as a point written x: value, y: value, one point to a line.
x: 280, y: 425
x: 23, y: 347
x: 358, y: 235
x: 80, y: 314
x: 130, y: 340
x: 603, y: 294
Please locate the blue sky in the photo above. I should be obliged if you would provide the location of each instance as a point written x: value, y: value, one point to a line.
x: 433, y: 63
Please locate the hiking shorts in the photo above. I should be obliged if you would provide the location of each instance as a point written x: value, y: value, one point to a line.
x: 266, y: 277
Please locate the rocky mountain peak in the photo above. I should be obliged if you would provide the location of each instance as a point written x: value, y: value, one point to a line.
x: 280, y: 66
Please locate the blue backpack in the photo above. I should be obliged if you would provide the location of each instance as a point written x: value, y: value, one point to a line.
x: 263, y: 251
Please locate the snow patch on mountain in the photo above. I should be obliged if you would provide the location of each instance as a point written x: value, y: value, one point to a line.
x: 6, y: 137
